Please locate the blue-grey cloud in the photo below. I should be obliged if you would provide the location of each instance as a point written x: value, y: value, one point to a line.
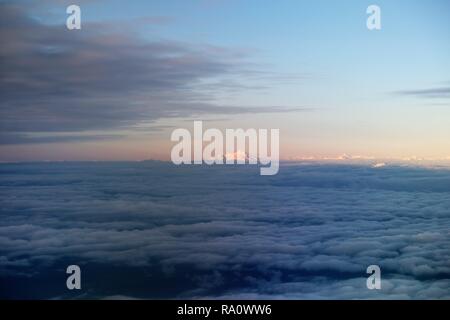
x: 434, y: 93
x: 184, y: 232
x: 21, y: 138
x: 101, y: 78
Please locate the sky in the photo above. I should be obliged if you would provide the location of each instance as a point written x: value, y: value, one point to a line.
x: 118, y: 87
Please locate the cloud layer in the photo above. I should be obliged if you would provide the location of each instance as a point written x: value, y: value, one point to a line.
x: 152, y: 230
